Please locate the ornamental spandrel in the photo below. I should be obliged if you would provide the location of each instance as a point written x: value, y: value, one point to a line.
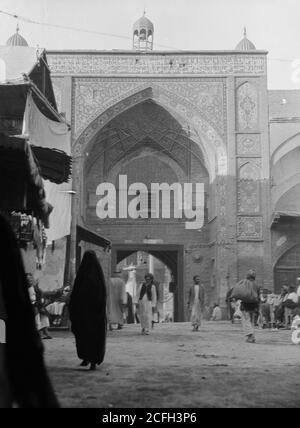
x: 93, y: 95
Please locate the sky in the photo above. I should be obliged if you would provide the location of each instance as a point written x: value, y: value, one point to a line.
x: 272, y: 25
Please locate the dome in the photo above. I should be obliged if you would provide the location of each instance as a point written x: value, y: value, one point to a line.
x: 143, y: 22
x: 143, y: 31
x: 16, y: 40
x: 245, y: 44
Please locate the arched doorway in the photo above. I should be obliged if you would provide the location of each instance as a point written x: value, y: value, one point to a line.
x: 170, y: 255
x: 287, y: 269
x: 133, y: 269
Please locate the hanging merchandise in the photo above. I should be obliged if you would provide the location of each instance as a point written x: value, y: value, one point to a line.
x: 40, y: 241
x: 46, y: 133
x: 22, y: 226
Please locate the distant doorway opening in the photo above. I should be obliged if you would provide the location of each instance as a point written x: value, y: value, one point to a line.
x: 171, y: 256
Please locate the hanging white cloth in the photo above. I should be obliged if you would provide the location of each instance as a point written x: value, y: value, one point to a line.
x: 59, y: 196
x: 131, y: 284
x: 44, y: 132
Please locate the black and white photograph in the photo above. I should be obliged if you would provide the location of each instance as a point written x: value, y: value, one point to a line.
x: 149, y: 207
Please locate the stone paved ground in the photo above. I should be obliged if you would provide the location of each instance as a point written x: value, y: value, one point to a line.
x: 174, y: 367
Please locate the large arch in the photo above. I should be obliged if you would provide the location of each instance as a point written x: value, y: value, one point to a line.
x: 285, y: 174
x: 281, y: 189
x: 187, y: 114
x: 290, y: 200
x: 286, y: 167
x: 285, y: 147
x: 144, y: 129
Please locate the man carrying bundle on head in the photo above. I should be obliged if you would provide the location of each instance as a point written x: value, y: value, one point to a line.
x: 247, y: 291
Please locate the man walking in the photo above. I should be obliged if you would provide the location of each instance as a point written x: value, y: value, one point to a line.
x: 147, y: 301
x: 248, y: 292
x: 196, y: 302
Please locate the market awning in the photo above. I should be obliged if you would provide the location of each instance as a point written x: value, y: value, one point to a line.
x: 13, y: 100
x: 23, y: 69
x: 21, y: 185
x: 86, y: 235
x: 55, y: 165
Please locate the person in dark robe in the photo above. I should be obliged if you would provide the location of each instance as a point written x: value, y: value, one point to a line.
x: 230, y: 307
x: 129, y: 307
x: 87, y: 309
x: 28, y: 384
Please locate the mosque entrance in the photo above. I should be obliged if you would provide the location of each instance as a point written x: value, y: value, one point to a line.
x: 143, y: 148
x: 170, y: 255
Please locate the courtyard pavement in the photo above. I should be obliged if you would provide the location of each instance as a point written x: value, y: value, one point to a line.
x: 175, y: 367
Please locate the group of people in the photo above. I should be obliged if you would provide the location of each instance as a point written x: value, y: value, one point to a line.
x: 21, y: 316
x: 255, y: 306
x: 48, y: 307
x: 277, y: 311
x: 274, y: 311
x: 258, y: 307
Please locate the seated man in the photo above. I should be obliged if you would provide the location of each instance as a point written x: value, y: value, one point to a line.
x: 217, y: 313
x: 56, y: 309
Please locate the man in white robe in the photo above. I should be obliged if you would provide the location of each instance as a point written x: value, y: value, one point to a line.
x: 117, y: 301
x: 196, y: 302
x: 131, y: 288
x: 147, y: 301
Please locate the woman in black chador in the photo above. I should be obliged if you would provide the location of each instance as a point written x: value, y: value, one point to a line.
x: 88, y: 311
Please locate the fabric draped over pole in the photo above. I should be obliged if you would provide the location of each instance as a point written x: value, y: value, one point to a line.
x: 21, y: 184
x: 46, y: 133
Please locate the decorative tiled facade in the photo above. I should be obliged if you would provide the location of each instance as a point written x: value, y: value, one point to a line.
x: 247, y: 101
x: 250, y: 228
x: 248, y: 144
x: 200, y: 92
x: 95, y: 95
x: 110, y: 64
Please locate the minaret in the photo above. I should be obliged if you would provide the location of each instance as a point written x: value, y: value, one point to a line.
x: 143, y: 30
